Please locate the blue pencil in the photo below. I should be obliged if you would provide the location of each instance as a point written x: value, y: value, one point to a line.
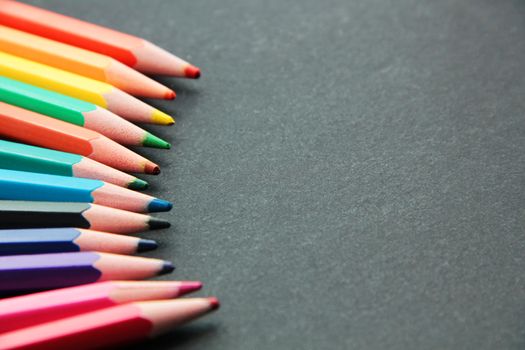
x: 63, y: 240
x: 21, y: 185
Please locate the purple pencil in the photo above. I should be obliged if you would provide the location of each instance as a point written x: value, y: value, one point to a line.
x: 23, y: 273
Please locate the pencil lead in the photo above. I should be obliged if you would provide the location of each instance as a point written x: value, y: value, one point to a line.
x: 157, y: 205
x: 146, y: 245
x: 161, y: 118
x: 170, y: 95
x: 214, y: 302
x: 192, y: 72
x: 153, y: 141
x: 151, y: 168
x: 189, y: 286
x: 167, y: 267
x: 156, y: 223
x: 138, y: 184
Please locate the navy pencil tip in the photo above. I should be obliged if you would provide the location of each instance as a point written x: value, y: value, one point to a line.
x: 146, y: 245
x: 157, y: 205
x: 167, y: 267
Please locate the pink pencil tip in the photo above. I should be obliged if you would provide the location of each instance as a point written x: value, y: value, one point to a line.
x: 214, y: 303
x: 170, y: 95
x: 192, y: 72
x: 189, y: 286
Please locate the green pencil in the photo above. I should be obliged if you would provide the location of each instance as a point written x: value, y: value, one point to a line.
x: 77, y: 112
x: 17, y: 156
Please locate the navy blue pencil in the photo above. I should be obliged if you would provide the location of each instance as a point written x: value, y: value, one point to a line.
x: 62, y: 240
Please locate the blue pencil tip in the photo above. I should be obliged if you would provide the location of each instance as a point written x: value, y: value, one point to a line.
x: 157, y: 205
x: 146, y: 245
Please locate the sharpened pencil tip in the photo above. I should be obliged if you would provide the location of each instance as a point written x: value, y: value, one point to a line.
x: 157, y: 205
x: 192, y: 72
x: 151, y: 168
x: 138, y: 184
x: 170, y: 95
x: 214, y: 303
x: 189, y: 286
x: 151, y: 140
x: 156, y: 223
x: 146, y: 245
x: 167, y: 267
x: 158, y: 117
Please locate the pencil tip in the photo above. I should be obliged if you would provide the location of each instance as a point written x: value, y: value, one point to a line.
x: 214, y: 303
x: 151, y: 140
x: 151, y: 168
x: 157, y: 205
x: 189, y: 286
x: 138, y: 184
x: 146, y: 245
x: 167, y: 267
x: 192, y: 72
x: 156, y: 223
x: 170, y: 95
x: 159, y: 117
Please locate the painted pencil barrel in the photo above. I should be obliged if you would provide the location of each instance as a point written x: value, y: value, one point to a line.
x: 80, y: 61
x: 76, y: 112
x: 40, y: 130
x: 74, y: 85
x: 63, y: 240
x: 28, y: 310
x: 19, y: 156
x: 23, y: 214
x: 22, y: 185
x: 130, y: 50
x: 114, y: 326
x: 22, y: 273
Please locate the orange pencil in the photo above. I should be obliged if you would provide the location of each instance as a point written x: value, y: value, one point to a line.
x: 87, y: 63
x: 128, y: 49
x: 80, y: 87
x: 39, y: 130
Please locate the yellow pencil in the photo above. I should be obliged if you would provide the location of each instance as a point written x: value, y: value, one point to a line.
x: 74, y: 85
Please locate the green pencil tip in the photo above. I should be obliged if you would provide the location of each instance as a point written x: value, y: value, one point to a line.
x: 138, y: 184
x: 154, y: 141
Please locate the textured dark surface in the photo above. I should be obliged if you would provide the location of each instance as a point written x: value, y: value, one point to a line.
x: 346, y: 174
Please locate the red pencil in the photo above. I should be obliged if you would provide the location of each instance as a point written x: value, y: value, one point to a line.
x: 114, y: 326
x: 32, y: 309
x: 128, y: 49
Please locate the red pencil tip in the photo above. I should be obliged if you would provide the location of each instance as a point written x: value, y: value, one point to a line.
x: 192, y: 72
x: 189, y: 286
x: 170, y: 95
x: 151, y: 168
x: 214, y: 303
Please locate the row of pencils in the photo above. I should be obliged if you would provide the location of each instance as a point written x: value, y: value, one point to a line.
x: 68, y: 203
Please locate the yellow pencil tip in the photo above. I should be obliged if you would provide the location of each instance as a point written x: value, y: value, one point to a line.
x: 158, y: 117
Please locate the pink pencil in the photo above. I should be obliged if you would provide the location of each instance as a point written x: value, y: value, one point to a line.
x: 32, y: 309
x: 114, y: 326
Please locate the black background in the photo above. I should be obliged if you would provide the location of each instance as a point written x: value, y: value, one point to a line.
x: 346, y: 174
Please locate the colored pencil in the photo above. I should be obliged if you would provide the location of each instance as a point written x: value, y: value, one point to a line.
x: 21, y: 214
x: 83, y: 62
x: 76, y: 112
x: 63, y: 240
x: 27, y: 186
x: 39, y: 130
x: 18, y: 156
x: 114, y: 326
x: 28, y: 310
x: 74, y: 85
x: 24, y: 273
x: 128, y: 49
